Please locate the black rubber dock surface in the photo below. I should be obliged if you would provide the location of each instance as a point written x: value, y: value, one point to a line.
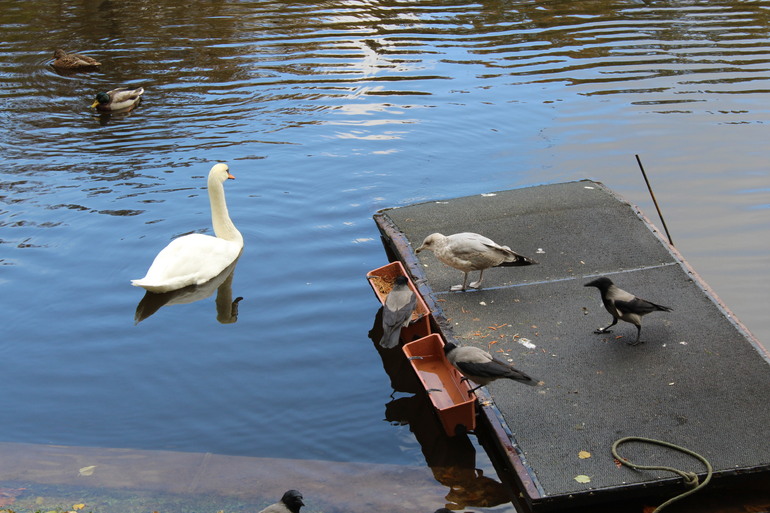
x: 699, y: 379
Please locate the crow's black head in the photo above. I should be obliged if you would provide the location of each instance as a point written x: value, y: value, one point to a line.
x: 293, y: 500
x: 602, y: 283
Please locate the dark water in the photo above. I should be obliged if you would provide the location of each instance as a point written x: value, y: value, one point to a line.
x: 327, y: 112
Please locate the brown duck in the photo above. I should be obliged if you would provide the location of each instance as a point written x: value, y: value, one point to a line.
x: 73, y: 61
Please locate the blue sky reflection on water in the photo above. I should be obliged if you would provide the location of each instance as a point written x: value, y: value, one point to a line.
x: 324, y: 120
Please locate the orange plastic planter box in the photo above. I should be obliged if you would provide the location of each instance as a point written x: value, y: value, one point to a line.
x: 450, y: 396
x: 381, y: 281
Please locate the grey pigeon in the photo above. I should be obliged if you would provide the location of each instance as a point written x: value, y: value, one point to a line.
x: 624, y: 306
x: 471, y: 252
x: 481, y: 367
x: 289, y: 503
x: 397, y: 311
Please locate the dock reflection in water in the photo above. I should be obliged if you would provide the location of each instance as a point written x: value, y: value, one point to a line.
x: 452, y: 459
x: 227, y: 308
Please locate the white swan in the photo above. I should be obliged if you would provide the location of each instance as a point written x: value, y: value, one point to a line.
x: 196, y: 258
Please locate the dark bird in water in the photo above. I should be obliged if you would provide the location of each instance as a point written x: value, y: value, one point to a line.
x: 481, y: 367
x: 471, y: 252
x: 397, y: 311
x: 624, y: 306
x: 289, y: 503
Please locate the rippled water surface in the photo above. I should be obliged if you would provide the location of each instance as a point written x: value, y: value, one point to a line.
x: 327, y: 112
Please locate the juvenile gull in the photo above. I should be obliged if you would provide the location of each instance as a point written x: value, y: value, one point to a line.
x: 397, y: 311
x: 291, y: 502
x: 623, y: 305
x: 481, y: 367
x: 471, y: 252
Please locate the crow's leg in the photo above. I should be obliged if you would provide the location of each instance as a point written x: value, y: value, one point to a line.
x: 606, y: 329
x: 470, y: 391
x: 638, y: 334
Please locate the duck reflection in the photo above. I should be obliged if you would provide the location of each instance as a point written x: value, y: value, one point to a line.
x: 452, y: 459
x: 227, y: 308
x: 104, y: 118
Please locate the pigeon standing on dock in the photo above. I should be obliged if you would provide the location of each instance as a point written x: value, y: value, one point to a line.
x: 624, y: 306
x: 289, y: 503
x: 481, y: 367
x: 397, y: 311
x: 471, y: 252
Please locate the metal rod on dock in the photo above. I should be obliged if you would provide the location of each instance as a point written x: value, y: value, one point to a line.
x: 652, y: 194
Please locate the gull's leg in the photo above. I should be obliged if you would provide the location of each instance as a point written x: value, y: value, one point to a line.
x: 476, y: 284
x: 463, y: 286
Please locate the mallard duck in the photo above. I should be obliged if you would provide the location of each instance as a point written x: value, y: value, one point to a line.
x: 66, y: 60
x: 196, y: 258
x: 118, y: 99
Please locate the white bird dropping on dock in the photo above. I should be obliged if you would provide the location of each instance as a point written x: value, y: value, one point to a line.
x: 471, y: 252
x: 397, y: 311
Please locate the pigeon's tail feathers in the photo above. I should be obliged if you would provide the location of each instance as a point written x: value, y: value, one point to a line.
x: 662, y: 308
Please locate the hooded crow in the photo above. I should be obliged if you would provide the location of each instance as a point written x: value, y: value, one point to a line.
x: 397, y: 311
x: 623, y: 305
x: 289, y: 503
x: 471, y: 252
x: 481, y: 367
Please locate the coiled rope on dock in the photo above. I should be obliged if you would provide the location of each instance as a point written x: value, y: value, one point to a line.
x: 690, y: 478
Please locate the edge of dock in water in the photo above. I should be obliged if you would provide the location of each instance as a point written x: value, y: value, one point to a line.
x: 681, y: 385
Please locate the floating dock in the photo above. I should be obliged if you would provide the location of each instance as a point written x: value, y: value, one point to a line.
x: 699, y: 379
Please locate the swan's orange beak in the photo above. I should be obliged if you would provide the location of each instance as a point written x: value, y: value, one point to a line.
x: 229, y: 176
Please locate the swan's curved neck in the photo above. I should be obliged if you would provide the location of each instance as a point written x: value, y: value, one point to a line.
x: 220, y: 218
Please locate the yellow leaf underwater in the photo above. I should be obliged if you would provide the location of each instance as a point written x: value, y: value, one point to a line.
x: 87, y: 471
x: 582, y: 479
x: 584, y: 455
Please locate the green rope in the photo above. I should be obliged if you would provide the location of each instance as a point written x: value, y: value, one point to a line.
x: 690, y: 478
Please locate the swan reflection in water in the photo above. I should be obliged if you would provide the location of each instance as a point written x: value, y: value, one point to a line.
x: 227, y: 308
